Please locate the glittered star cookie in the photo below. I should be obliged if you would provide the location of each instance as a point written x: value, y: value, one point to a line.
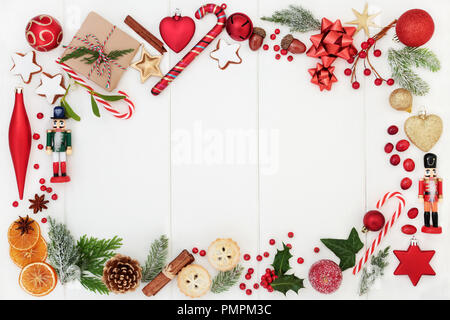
x: 363, y: 20
x: 148, y: 65
x: 25, y: 65
x: 226, y: 53
x: 51, y: 87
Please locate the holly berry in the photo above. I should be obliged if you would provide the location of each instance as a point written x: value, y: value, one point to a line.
x: 409, y: 165
x: 266, y: 47
x: 54, y: 196
x: 270, y: 289
x: 248, y: 276
x: 273, y: 36
x: 242, y: 286
x: 355, y: 85
x: 290, y: 58
x: 272, y: 242
x: 36, y: 166
x: 44, y: 220
x: 276, y: 47
x: 395, y: 159
x: 266, y: 254
x: 392, y: 130
x: 378, y: 81
x: 290, y: 234
x: 289, y: 246
x: 348, y: 71
x: 316, y: 249
x: 40, y: 115
x: 250, y: 270
x: 40, y: 146
x: 371, y: 41
x: 300, y: 260
x: 412, y: 213
x: 388, y: 147
x: 36, y: 136
x: 367, y: 72
x: 402, y: 145
x: 377, y: 53
x: 246, y: 257
x: 277, y: 31
x: 406, y: 183
x: 277, y: 56
x: 248, y: 292
x: 390, y: 82
x: 256, y: 286
x: 202, y: 253
x: 364, y: 45
x: 49, y: 190
x: 362, y: 54
x: 283, y: 52
x: 43, y: 188
x: 194, y: 250
x: 351, y: 60
x: 15, y: 204
x: 259, y: 257
x: 42, y: 181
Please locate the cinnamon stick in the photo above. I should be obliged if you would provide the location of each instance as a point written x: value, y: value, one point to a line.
x: 168, y: 273
x: 145, y: 34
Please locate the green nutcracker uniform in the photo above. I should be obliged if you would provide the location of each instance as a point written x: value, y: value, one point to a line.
x: 59, y: 142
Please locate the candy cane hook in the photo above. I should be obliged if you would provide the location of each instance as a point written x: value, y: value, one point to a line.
x: 198, y: 48
x: 386, y: 228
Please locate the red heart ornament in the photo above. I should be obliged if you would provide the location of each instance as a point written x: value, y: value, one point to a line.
x: 177, y: 31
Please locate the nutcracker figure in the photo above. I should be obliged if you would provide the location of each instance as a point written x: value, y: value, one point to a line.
x: 59, y: 141
x: 430, y: 192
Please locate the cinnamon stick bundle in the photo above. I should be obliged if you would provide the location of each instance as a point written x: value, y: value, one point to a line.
x: 168, y: 273
x: 145, y: 34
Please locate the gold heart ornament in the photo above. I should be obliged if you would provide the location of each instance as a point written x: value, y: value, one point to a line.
x: 424, y: 130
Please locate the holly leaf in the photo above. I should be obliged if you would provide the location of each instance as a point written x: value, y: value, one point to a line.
x: 281, y: 261
x: 345, y: 250
x: 287, y: 282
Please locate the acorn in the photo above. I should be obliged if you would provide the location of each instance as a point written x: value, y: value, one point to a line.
x: 256, y: 39
x: 292, y: 45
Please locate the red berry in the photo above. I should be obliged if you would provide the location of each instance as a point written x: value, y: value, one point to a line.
x: 355, y: 85
x: 367, y: 72
x: 388, y: 147
x: 290, y: 234
x: 377, y: 53
x: 248, y: 276
x: 54, y: 196
x: 266, y: 47
x: 390, y: 82
x: 277, y: 31
x: 202, y: 253
x: 316, y: 249
x: 250, y: 270
x: 406, y: 183
x: 44, y: 220
x: 364, y: 45
x: 36, y: 136
x: 362, y: 54
x: 194, y: 250
x: 351, y: 60
x: 348, y: 71
x: 300, y: 260
x: 248, y: 292
x: 15, y: 204
x: 378, y: 81
x: 270, y: 289
x: 392, y: 130
x: 40, y: 115
x: 276, y: 47
x: 40, y: 146
x: 49, y: 190
x: 246, y: 257
x: 266, y: 254
x: 277, y: 56
x: 43, y: 188
x: 290, y: 58
x: 268, y: 270
x: 409, y: 165
x: 242, y: 286
x: 273, y: 36
x: 36, y: 166
x: 283, y: 52
x: 258, y: 257
x: 42, y: 181
x: 263, y: 284
x: 272, y: 242
x: 402, y: 145
x: 269, y: 280
x: 371, y: 41
x: 289, y: 246
x: 395, y: 159
x: 412, y: 213
x: 256, y: 286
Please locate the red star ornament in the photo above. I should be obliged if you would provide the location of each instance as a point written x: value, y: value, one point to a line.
x: 414, y: 262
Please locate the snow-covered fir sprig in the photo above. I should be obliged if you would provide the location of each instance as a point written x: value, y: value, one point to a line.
x: 226, y: 279
x: 156, y: 259
x: 297, y: 18
x: 378, y: 263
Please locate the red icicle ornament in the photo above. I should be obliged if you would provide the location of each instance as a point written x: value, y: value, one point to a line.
x: 20, y: 140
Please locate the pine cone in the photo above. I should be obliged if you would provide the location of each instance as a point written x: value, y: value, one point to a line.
x: 121, y: 274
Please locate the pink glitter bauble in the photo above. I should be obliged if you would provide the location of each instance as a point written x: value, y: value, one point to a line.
x: 325, y: 276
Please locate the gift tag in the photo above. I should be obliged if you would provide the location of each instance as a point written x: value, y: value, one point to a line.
x: 424, y: 130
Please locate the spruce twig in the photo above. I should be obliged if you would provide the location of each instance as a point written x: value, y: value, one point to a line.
x: 92, y: 55
x: 296, y: 17
x: 156, y: 259
x: 378, y: 264
x: 226, y: 279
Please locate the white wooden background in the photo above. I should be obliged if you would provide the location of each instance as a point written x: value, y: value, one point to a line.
x: 305, y: 161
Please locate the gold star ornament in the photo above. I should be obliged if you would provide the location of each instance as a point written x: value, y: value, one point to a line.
x: 148, y: 65
x: 363, y: 20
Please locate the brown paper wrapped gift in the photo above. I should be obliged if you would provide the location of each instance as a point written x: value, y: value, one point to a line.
x: 94, y: 31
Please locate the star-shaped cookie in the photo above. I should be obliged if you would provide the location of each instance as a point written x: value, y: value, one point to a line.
x: 226, y: 53
x: 51, y: 87
x: 25, y: 65
x: 363, y: 20
x: 148, y: 65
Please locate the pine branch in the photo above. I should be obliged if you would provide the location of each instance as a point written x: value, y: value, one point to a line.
x: 296, y: 17
x: 156, y: 259
x: 226, y: 279
x: 93, y: 284
x: 378, y: 264
x: 62, y: 252
x: 80, y: 52
x: 93, y: 55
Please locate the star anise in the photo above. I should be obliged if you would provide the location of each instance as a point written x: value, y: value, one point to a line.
x: 24, y: 225
x: 38, y: 204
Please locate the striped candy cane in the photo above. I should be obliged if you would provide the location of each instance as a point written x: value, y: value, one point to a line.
x: 198, y: 48
x: 105, y: 104
x: 387, y: 226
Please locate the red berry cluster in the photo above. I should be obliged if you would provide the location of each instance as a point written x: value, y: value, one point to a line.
x: 267, y: 279
x: 277, y: 47
x: 202, y: 253
x: 401, y: 146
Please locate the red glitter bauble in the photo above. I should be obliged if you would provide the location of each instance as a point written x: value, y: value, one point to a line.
x: 239, y: 26
x: 414, y: 28
x: 325, y: 276
x: 373, y: 220
x: 43, y: 33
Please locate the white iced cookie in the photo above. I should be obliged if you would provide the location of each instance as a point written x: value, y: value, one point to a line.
x: 226, y: 53
x: 224, y: 254
x: 194, y: 281
x: 51, y: 87
x: 25, y: 65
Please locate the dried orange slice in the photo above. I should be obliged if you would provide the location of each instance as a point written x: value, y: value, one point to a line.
x: 24, y: 233
x: 36, y: 254
x: 38, y: 279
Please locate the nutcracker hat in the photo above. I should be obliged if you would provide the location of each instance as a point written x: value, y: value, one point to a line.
x: 430, y: 160
x: 59, y: 113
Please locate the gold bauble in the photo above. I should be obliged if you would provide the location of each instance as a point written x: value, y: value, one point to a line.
x: 401, y: 100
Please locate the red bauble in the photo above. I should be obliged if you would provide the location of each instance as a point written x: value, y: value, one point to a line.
x: 239, y: 26
x: 325, y: 276
x: 44, y: 33
x: 414, y: 28
x: 177, y: 31
x: 373, y: 220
